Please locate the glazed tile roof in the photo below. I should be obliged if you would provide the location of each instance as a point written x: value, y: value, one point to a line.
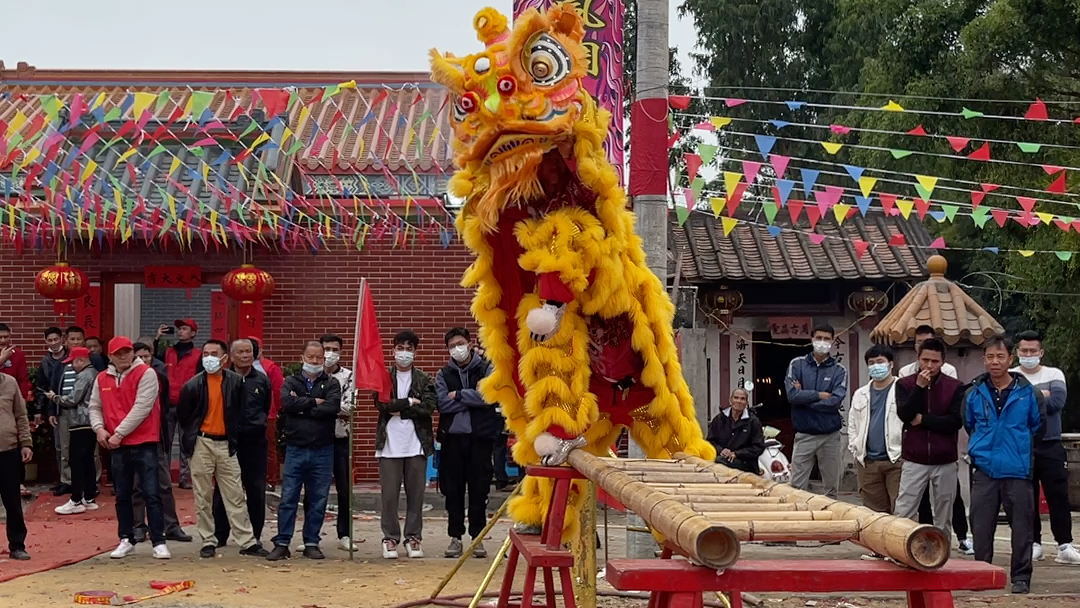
x: 941, y: 304
x: 750, y: 253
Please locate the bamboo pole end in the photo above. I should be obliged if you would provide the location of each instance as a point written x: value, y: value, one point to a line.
x: 928, y: 548
x: 718, y: 547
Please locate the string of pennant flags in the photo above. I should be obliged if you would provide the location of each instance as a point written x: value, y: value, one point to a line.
x: 71, y: 208
x: 802, y: 91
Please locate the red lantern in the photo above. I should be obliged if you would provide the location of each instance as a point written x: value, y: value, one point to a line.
x: 61, y: 284
x: 248, y: 284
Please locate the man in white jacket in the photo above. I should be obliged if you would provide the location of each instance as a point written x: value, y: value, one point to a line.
x: 875, y: 432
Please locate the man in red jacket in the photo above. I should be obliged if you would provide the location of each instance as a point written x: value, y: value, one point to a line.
x: 277, y: 379
x: 125, y: 413
x: 181, y: 361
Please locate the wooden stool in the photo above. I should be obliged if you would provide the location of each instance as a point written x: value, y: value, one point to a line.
x: 543, y: 552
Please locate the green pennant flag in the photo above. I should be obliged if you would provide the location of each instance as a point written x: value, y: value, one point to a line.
x: 707, y: 152
x: 426, y: 115
x: 112, y: 142
x: 699, y: 183
x: 1064, y: 256
x: 296, y: 145
x: 248, y: 129
x: 113, y: 114
x: 197, y: 151
x: 330, y: 91
x: 770, y: 210
x: 900, y: 153
x: 682, y: 213
x: 200, y: 100
x: 969, y: 114
x: 158, y: 150
x: 924, y: 192
x: 1029, y: 148
x: 162, y: 99
x: 51, y: 105
x: 1066, y: 219
x: 950, y: 211
x: 980, y: 215
x: 670, y: 122
x: 293, y: 98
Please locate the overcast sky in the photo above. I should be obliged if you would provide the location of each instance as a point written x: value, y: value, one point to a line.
x: 239, y: 34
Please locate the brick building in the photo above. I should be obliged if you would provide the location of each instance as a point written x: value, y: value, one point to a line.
x: 395, y: 139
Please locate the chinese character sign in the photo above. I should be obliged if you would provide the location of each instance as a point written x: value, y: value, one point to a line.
x: 172, y: 277
x: 219, y: 316
x: 604, y: 74
x: 88, y: 311
x: 790, y: 328
x: 741, y: 362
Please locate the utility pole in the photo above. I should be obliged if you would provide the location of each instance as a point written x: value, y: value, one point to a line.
x: 648, y: 176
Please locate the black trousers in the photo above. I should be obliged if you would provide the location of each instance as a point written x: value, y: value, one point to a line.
x: 251, y: 455
x: 10, y: 467
x: 465, y: 464
x: 959, y: 516
x: 343, y: 485
x: 1051, y: 474
x: 501, y: 456
x: 81, y: 449
x: 988, y: 496
x: 131, y: 463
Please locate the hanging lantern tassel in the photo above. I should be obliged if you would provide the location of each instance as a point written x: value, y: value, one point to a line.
x: 248, y: 284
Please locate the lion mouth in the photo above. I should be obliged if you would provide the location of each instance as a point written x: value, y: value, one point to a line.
x: 511, y: 144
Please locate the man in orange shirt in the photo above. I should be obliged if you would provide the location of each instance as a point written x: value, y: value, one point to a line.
x: 209, y: 412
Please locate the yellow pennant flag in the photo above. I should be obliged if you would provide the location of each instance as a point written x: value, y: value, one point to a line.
x: 840, y: 210
x: 258, y: 140
x: 729, y: 224
x: 286, y: 134
x: 1027, y: 253
x: 301, y: 121
x: 78, y: 219
x: 1045, y: 217
x: 831, y: 147
x: 866, y: 185
x: 892, y: 106
x: 347, y: 85
x: 174, y: 165
x: 408, y: 139
x: 326, y: 225
x: 128, y: 233
x: 731, y: 179
x: 905, y: 207
x: 719, y: 122
x: 30, y: 156
x: 142, y: 102
x: 126, y: 155
x: 16, y: 123
x: 91, y: 166
x: 717, y: 205
x: 927, y: 181
x: 205, y: 172
x: 172, y: 207
x: 100, y: 99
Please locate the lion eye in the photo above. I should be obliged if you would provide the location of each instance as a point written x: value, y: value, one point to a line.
x: 465, y: 105
x: 547, y: 61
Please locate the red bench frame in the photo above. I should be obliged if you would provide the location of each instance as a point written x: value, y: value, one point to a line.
x: 680, y: 584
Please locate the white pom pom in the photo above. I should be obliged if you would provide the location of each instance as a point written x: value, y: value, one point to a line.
x: 546, y: 444
x: 542, y: 321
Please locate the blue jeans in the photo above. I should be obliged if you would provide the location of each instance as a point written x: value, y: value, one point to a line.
x: 127, y: 461
x: 310, y: 468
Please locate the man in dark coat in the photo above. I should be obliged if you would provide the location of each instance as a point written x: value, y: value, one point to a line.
x: 737, y: 434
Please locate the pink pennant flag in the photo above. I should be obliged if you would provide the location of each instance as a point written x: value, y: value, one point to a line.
x: 693, y: 164
x: 704, y: 126
x: 957, y: 143
x: 989, y: 187
x: 688, y: 196
x: 919, y: 130
x: 731, y: 103
x: 817, y: 239
x: 779, y: 163
x: 922, y: 206
x: 888, y: 201
x: 860, y: 247
x: 1000, y: 216
x: 735, y: 198
x: 1051, y: 169
x: 840, y: 129
x: 795, y: 209
x: 1058, y: 185
x: 1037, y: 111
x: 939, y: 243
x: 983, y: 153
x: 813, y: 214
x: 1026, y: 202
x: 976, y: 199
x: 750, y: 170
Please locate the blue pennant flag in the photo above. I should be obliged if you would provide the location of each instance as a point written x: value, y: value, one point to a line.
x: 938, y: 215
x: 864, y: 203
x: 795, y: 105
x: 784, y: 186
x: 854, y: 172
x: 775, y: 231
x: 765, y: 144
x: 779, y: 124
x: 991, y: 249
x: 809, y: 178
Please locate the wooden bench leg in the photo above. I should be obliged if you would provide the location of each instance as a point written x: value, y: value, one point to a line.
x: 676, y: 599
x: 549, y: 587
x: 508, y: 579
x: 929, y: 599
x: 568, y: 588
x: 527, y: 592
x: 735, y: 599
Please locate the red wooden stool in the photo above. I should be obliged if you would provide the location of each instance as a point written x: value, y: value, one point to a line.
x: 543, y: 552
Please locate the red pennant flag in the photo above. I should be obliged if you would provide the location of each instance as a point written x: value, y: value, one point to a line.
x: 1000, y: 216
x: 939, y: 243
x: 795, y: 209
x: 813, y: 214
x: 1026, y: 202
x: 1051, y: 169
x: 1076, y: 225
x: 674, y: 139
x: 888, y: 201
x: 983, y: 153
x: 693, y: 164
x: 1037, y: 111
x: 989, y: 187
x: 679, y: 102
x: 897, y: 240
x: 1025, y: 219
x: 976, y: 199
x: 957, y: 143
x: 1058, y: 185
x: 922, y: 207
x: 274, y: 100
x: 860, y: 247
x: 735, y: 198
x: 1060, y: 223
x: 919, y: 130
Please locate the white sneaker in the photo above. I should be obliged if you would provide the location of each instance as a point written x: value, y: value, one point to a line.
x: 1067, y: 554
x: 389, y: 549
x: 345, y: 543
x: 1036, y: 552
x: 90, y: 504
x: 966, y: 547
x: 162, y: 552
x: 124, y: 549
x: 413, y: 547
x: 70, y: 508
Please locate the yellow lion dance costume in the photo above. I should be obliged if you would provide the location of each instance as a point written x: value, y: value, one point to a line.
x: 577, y: 327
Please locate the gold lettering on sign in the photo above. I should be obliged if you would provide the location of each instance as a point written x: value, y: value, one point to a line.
x: 591, y: 19
x: 592, y: 54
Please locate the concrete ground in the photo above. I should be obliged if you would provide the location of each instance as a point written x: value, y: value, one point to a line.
x: 232, y: 581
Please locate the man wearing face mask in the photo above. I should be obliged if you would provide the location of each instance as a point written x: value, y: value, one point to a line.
x: 181, y: 360
x: 342, y: 433
x: 1049, y: 469
x: 209, y: 412
x: 468, y: 426
x: 816, y: 386
x: 875, y: 433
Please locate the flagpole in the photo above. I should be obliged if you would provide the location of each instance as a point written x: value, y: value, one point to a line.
x: 352, y: 412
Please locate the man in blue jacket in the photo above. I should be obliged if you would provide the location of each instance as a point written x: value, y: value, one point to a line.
x: 1002, y: 414
x: 816, y: 387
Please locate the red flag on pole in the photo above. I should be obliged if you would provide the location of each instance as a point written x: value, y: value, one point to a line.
x: 369, y: 372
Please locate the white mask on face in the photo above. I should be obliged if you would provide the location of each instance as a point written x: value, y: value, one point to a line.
x: 56, y: 349
x: 312, y: 368
x: 211, y: 364
x: 403, y: 357
x: 460, y: 353
x: 1029, y: 362
x: 822, y: 347
x: 331, y: 358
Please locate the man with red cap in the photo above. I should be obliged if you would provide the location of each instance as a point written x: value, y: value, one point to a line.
x: 181, y: 361
x: 126, y: 416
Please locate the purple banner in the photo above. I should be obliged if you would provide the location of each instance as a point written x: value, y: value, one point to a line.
x: 604, y: 74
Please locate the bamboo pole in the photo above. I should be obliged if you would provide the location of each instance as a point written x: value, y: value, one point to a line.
x: 707, y: 489
x: 768, y: 515
x: 786, y: 531
x: 919, y: 546
x: 484, y: 584
x: 714, y: 507
x: 726, y: 499
x: 719, y: 487
x: 706, y: 543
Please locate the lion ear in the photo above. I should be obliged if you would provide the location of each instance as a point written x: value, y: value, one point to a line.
x: 447, y: 71
x: 565, y: 20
